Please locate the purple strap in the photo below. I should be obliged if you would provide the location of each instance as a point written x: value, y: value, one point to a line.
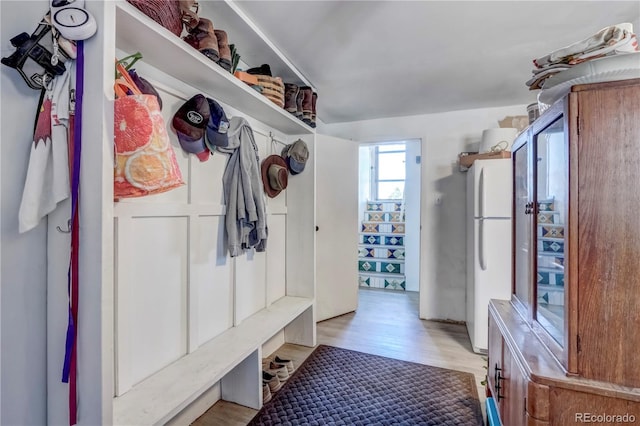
x: 69, y: 369
x: 77, y: 131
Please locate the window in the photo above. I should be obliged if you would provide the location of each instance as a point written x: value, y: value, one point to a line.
x: 389, y: 171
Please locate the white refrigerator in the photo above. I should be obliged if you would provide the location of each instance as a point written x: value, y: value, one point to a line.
x: 489, y: 196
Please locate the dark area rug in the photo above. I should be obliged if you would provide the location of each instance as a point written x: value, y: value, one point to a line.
x: 337, y: 386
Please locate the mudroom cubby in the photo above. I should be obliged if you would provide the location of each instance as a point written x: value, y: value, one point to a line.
x: 180, y: 317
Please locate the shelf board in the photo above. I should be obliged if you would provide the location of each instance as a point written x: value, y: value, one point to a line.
x: 466, y: 159
x: 157, y: 399
x: 135, y: 32
x: 253, y: 45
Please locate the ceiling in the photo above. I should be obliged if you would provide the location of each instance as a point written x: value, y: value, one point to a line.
x: 372, y: 59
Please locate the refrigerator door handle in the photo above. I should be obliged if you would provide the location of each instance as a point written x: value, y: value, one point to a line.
x: 481, y: 245
x: 481, y: 194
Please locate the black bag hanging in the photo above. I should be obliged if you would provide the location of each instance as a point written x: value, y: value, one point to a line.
x: 37, y: 57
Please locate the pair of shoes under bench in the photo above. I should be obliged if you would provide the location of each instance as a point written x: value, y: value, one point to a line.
x: 272, y: 381
x: 277, y: 360
x: 278, y: 370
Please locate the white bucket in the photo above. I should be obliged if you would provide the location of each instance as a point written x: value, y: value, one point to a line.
x: 500, y: 139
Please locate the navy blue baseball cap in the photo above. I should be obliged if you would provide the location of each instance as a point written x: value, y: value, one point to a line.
x: 217, y: 127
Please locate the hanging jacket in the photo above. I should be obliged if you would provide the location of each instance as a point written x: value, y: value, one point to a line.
x: 246, y: 218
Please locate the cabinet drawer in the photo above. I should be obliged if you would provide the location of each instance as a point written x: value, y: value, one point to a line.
x: 513, y: 406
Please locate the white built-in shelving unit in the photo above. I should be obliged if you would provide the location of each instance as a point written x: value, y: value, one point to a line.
x: 188, y: 319
x: 163, y: 50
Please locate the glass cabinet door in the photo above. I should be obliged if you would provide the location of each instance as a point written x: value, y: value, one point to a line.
x: 551, y: 217
x: 522, y: 224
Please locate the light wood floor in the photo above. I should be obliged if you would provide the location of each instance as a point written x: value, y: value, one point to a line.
x: 386, y: 323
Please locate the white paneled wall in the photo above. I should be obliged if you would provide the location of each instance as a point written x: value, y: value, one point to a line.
x: 176, y: 286
x: 250, y: 284
x: 151, y: 310
x: 212, y: 277
x: 276, y: 254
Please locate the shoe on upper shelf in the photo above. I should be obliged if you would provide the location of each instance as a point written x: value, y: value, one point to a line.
x: 189, y: 10
x: 290, y: 95
x: 314, y: 99
x: 263, y: 69
x: 299, y: 99
x: 307, y: 103
x: 203, y: 38
x: 223, y: 49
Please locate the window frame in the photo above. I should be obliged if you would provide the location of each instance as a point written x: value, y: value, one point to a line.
x: 375, y: 172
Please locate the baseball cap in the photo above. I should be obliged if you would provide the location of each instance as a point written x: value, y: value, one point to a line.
x: 190, y: 122
x: 217, y: 127
x: 296, y: 156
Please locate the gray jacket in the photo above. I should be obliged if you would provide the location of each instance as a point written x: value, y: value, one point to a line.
x: 246, y: 217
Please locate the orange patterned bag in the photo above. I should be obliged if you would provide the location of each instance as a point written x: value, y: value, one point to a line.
x: 145, y: 161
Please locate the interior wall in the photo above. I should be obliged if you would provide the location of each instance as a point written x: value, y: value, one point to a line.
x: 443, y: 202
x: 23, y: 310
x: 412, y: 215
x: 0, y: 264
x: 364, y: 180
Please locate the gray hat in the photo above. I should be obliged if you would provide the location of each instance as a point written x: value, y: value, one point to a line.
x: 296, y: 156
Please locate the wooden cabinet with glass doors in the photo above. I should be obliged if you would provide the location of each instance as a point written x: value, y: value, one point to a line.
x: 573, y: 323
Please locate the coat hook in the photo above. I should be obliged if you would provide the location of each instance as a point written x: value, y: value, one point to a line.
x: 273, y: 140
x: 68, y: 230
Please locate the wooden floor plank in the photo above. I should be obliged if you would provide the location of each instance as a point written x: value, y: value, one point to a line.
x: 386, y: 324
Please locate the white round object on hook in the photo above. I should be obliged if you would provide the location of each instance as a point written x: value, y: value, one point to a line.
x: 72, y: 20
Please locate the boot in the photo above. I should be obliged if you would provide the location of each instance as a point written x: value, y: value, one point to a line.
x: 290, y: 94
x: 307, y: 102
x: 263, y: 69
x: 204, y: 39
x: 299, y: 98
x: 189, y: 9
x: 223, y: 49
x: 314, y: 99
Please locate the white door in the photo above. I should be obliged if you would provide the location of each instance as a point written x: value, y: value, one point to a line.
x: 337, y: 226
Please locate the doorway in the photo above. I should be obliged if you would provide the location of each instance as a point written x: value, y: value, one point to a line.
x: 389, y: 215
